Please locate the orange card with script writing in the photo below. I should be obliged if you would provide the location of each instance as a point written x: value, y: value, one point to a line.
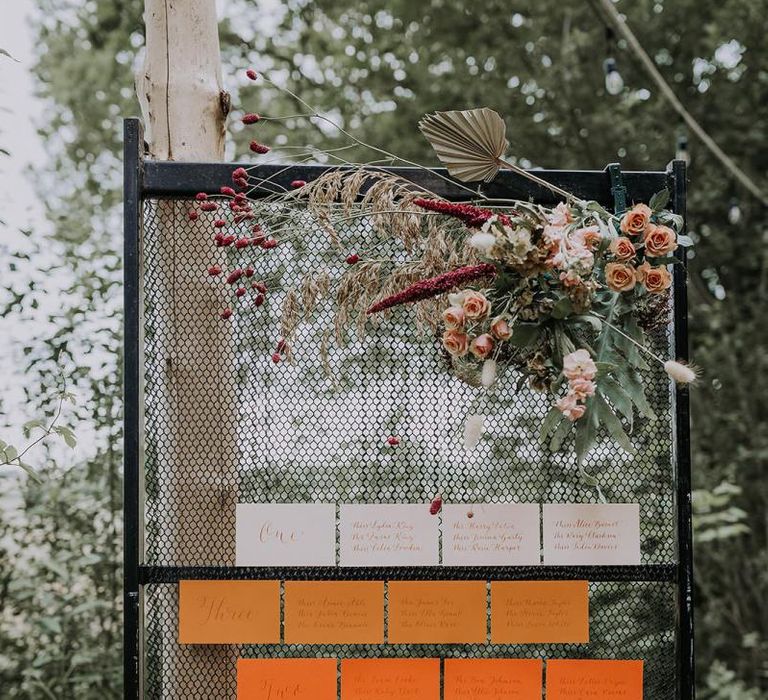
x: 390, y: 679
x: 334, y: 612
x: 539, y: 612
x: 437, y: 612
x: 286, y: 679
x: 229, y: 612
x: 493, y: 679
x: 585, y: 679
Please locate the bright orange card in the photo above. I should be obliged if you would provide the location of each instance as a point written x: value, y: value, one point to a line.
x: 390, y: 679
x: 586, y: 679
x: 539, y: 612
x: 286, y: 679
x: 493, y: 679
x: 437, y: 612
x: 334, y: 612
x: 229, y: 612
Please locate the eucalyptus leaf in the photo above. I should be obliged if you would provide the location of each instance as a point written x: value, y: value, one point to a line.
x: 684, y: 241
x: 525, y: 334
x: 611, y: 421
x: 659, y: 200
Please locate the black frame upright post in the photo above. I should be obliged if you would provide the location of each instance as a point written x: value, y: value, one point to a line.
x: 151, y: 179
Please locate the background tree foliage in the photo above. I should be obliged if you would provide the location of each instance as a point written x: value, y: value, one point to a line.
x: 378, y: 65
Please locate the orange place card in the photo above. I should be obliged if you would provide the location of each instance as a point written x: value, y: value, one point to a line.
x: 286, y: 679
x: 334, y: 612
x: 229, y: 612
x: 493, y: 679
x: 587, y: 679
x: 437, y: 612
x: 390, y: 679
x: 539, y: 612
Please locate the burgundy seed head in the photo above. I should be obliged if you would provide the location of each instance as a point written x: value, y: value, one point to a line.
x: 218, y: 239
x: 259, y: 148
x: 258, y: 300
x: 252, y: 74
x: 227, y: 191
x: 240, y: 291
x: 258, y: 240
x: 251, y: 118
x: 297, y: 184
x: 229, y: 240
x: 276, y: 357
x: 226, y: 313
x: 393, y: 441
x: 209, y: 206
x: 242, y: 183
x: 233, y: 276
x: 436, y: 505
x: 239, y: 174
x: 201, y: 196
x: 249, y: 271
x: 269, y: 244
x: 260, y: 286
x: 214, y: 270
x: 281, y: 344
x: 193, y: 215
x: 353, y: 258
x: 219, y: 223
x: 242, y: 243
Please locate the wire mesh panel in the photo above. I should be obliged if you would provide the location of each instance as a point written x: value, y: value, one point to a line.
x: 211, y: 422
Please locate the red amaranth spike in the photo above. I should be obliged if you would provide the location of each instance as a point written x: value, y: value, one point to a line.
x: 251, y: 118
x: 233, y: 276
x: 472, y: 216
x: 228, y: 192
x: 214, y: 270
x: 426, y: 289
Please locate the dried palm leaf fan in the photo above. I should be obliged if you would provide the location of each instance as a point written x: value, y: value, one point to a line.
x: 471, y: 143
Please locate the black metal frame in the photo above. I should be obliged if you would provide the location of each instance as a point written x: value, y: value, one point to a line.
x: 145, y: 179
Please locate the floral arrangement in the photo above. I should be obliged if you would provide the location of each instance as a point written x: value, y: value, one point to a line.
x: 565, y: 298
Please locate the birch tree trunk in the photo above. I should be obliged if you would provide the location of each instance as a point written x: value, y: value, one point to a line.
x: 184, y: 109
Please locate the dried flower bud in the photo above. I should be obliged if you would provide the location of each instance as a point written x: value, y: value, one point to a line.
x: 219, y: 223
x: 241, y: 182
x: 229, y: 240
x: 276, y: 357
x: 260, y: 286
x: 234, y: 276
x: 251, y: 118
x: 239, y: 292
x: 242, y: 243
x: 281, y: 345
x: 209, y: 206
x: 252, y: 74
x: 393, y: 441
x: 436, y: 506
x: 259, y: 148
x: 258, y: 300
x: 193, y: 215
x: 227, y: 192
x: 239, y: 174
x: 201, y: 196
x: 298, y: 184
x: 249, y: 271
x: 470, y: 514
x: 353, y: 258
x: 214, y: 270
x: 218, y: 239
x: 680, y: 372
x: 269, y: 243
x: 226, y: 313
x: 258, y: 240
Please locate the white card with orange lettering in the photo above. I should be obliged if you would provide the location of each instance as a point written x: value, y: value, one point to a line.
x: 286, y: 534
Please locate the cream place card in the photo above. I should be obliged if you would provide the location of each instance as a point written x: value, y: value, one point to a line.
x: 389, y: 535
x: 491, y: 534
x: 596, y: 534
x: 285, y: 534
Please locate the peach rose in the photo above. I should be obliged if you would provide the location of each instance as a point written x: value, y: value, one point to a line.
x: 453, y: 317
x: 500, y: 328
x: 659, y: 241
x: 475, y: 305
x: 579, y: 365
x: 636, y: 220
x: 456, y: 342
x: 482, y: 346
x: 622, y: 248
x: 570, y: 407
x: 582, y: 388
x: 655, y: 279
x: 620, y: 277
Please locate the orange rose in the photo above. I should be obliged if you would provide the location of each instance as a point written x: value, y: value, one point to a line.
x: 456, y: 342
x: 659, y: 241
x: 476, y: 305
x: 655, y: 279
x: 482, y: 346
x: 622, y: 248
x: 620, y: 277
x: 500, y: 328
x: 636, y: 220
x: 453, y: 317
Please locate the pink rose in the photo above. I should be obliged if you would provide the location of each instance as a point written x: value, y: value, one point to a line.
x: 453, y: 317
x: 482, y: 346
x: 500, y: 328
x: 456, y: 342
x: 622, y: 248
x: 636, y: 220
x: 581, y: 387
x: 659, y: 241
x: 570, y: 407
x: 579, y: 364
x: 620, y: 277
x: 475, y: 305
